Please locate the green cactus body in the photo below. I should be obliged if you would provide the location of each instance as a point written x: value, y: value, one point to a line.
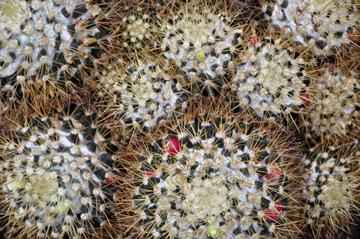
x: 57, y: 175
x: 217, y: 183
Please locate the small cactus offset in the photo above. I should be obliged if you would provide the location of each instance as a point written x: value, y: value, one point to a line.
x: 271, y: 79
x: 324, y: 26
x: 57, y: 174
x: 213, y: 177
x: 202, y: 44
x: 330, y: 188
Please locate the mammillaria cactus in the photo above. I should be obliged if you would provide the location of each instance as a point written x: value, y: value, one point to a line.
x: 330, y: 188
x: 57, y: 172
x: 142, y: 95
x: 333, y: 105
x: 213, y: 177
x: 271, y: 79
x: 202, y: 43
x: 48, y: 43
x: 324, y: 25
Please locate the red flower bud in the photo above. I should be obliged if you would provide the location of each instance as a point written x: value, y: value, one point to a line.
x: 275, y: 172
x: 273, y: 214
x: 110, y: 179
x: 304, y: 97
x: 172, y: 147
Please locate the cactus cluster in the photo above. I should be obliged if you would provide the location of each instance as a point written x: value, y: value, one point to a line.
x: 179, y: 119
x: 48, y: 44
x: 334, y: 104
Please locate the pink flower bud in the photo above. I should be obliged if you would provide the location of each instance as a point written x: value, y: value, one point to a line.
x: 273, y: 214
x: 151, y: 174
x: 172, y: 147
x: 275, y: 172
x: 304, y: 97
x: 351, y: 37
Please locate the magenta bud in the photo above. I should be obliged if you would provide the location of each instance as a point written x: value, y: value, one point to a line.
x: 151, y: 174
x: 304, y: 97
x: 273, y: 214
x: 275, y: 172
x: 172, y: 147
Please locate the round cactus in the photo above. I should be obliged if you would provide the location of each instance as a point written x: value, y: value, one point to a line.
x: 202, y: 43
x: 322, y: 25
x: 48, y: 44
x: 270, y: 80
x: 329, y: 188
x: 333, y: 106
x: 213, y: 177
x: 142, y: 95
x: 57, y: 173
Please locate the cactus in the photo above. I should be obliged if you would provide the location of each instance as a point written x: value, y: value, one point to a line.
x: 333, y: 105
x: 142, y: 95
x: 213, y: 176
x: 271, y: 79
x: 47, y: 44
x: 329, y: 188
x: 324, y: 26
x: 57, y: 173
x: 202, y: 43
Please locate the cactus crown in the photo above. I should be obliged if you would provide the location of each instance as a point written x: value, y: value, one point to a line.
x: 142, y: 95
x: 202, y: 43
